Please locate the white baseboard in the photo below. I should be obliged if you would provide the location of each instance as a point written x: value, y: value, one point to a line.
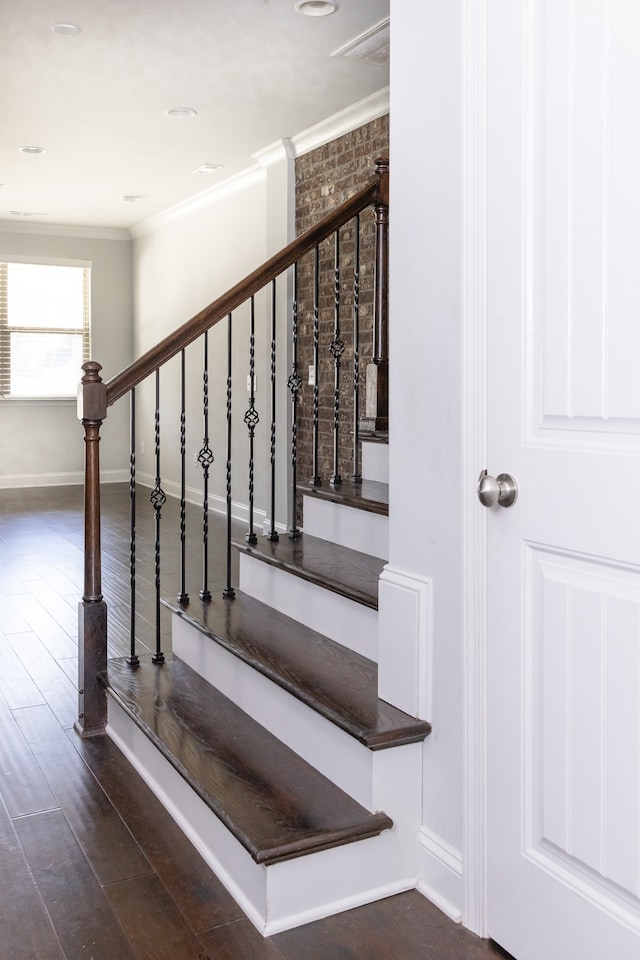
x: 114, y: 476
x: 74, y: 478
x: 217, y: 504
x: 440, y: 873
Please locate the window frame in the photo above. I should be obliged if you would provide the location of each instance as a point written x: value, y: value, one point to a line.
x: 6, y: 330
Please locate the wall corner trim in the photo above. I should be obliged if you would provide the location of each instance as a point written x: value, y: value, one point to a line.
x: 275, y: 153
x: 474, y: 446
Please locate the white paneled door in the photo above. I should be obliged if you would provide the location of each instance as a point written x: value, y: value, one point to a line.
x: 563, y: 301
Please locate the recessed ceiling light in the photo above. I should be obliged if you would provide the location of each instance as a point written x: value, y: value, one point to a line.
x: 32, y: 150
x: 181, y: 112
x: 316, y: 8
x: 207, y: 168
x: 66, y: 29
x: 26, y: 213
x: 131, y: 198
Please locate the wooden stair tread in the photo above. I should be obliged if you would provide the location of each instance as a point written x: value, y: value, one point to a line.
x: 275, y: 804
x: 347, y: 572
x: 336, y: 682
x: 370, y: 495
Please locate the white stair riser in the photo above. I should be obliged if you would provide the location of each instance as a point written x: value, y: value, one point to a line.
x: 346, y: 526
x: 283, y: 895
x: 345, y: 621
x: 378, y: 779
x: 375, y: 461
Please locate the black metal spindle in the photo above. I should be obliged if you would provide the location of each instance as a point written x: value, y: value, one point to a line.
x: 273, y: 533
x: 157, y: 499
x: 357, y: 468
x: 133, y: 660
x: 183, y: 596
x: 315, y: 479
x: 205, y: 459
x: 295, y: 384
x: 251, y: 418
x: 336, y: 349
x: 228, y: 592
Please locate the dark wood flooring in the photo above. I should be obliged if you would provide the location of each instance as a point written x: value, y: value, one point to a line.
x: 91, y: 866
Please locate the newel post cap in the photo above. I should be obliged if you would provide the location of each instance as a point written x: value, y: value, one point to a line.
x: 92, y: 393
x: 382, y: 173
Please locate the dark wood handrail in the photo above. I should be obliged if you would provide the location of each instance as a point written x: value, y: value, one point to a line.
x: 118, y: 386
x: 95, y: 396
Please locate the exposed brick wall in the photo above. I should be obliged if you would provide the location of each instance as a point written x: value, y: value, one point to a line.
x: 324, y: 179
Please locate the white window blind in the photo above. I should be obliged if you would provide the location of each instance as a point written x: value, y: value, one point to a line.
x: 45, y: 328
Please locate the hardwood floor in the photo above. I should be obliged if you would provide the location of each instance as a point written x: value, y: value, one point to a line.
x: 91, y: 864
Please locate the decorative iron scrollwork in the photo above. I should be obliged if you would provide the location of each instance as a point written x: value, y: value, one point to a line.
x: 336, y: 348
x: 205, y: 456
x: 294, y: 383
x: 251, y: 418
x: 157, y: 498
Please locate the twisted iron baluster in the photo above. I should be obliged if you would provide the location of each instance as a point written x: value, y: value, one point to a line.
x: 315, y: 479
x: 294, y: 383
x: 158, y: 499
x: 251, y: 418
x: 183, y: 596
x: 336, y: 349
x: 228, y: 591
x: 133, y: 660
x: 357, y: 469
x: 205, y: 459
x: 273, y: 533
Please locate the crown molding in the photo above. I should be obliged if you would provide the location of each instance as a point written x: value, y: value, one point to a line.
x: 64, y: 230
x: 200, y: 201
x: 371, y: 108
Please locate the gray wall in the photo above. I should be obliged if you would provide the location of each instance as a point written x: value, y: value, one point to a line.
x: 41, y: 442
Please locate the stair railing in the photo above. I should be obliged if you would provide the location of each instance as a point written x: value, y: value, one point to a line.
x: 96, y: 396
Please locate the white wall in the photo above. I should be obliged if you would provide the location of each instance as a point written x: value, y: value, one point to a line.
x: 42, y: 442
x: 425, y: 399
x: 182, y: 261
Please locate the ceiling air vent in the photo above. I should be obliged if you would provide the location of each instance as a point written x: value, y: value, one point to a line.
x: 372, y: 46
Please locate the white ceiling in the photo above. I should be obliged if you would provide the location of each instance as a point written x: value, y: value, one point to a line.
x: 255, y: 70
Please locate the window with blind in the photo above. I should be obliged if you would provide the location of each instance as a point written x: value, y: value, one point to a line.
x: 45, y: 328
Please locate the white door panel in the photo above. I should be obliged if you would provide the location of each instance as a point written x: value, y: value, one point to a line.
x: 563, y: 303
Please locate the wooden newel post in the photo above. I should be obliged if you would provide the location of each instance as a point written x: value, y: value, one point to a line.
x: 92, y: 610
x: 376, y: 416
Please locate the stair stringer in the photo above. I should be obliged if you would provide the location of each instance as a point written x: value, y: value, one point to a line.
x: 282, y: 895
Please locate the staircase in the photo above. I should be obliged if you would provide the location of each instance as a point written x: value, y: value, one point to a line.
x: 263, y: 733
x: 262, y: 730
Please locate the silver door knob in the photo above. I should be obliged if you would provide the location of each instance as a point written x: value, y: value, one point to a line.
x: 501, y: 490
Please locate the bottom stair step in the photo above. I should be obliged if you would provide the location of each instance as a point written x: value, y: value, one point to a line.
x: 273, y: 802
